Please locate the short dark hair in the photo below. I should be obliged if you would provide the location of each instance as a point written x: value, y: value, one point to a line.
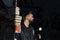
x: 25, y: 14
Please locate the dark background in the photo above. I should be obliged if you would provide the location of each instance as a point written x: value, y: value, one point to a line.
x: 46, y: 13
x: 7, y: 15
x: 47, y: 16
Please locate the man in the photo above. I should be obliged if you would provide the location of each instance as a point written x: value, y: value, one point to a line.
x: 27, y: 32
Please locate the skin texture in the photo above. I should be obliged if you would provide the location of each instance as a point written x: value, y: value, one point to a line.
x: 28, y: 19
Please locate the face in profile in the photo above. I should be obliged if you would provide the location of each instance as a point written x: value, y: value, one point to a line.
x: 30, y: 17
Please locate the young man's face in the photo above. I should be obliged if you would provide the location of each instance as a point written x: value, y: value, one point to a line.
x: 30, y: 17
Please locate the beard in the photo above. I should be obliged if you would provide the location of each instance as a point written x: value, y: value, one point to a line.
x: 31, y: 21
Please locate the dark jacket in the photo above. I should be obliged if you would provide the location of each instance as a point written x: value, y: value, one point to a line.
x: 27, y: 33
x: 8, y: 34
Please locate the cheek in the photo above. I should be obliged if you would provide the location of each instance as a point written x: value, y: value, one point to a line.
x: 29, y: 18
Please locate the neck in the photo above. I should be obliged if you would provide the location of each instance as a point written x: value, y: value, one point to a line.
x: 26, y: 23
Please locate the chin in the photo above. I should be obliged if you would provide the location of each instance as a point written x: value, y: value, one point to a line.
x: 31, y: 21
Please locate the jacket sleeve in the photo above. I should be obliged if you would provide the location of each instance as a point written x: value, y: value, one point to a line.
x: 8, y: 35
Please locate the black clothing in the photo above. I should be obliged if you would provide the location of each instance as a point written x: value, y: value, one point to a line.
x: 27, y: 33
x: 2, y: 5
x: 17, y: 36
x: 8, y: 34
